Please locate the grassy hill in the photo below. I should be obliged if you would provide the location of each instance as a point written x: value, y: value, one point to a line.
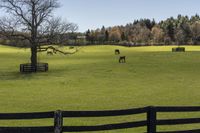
x: 93, y: 79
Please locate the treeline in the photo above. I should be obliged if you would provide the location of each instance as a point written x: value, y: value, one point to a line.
x: 182, y: 30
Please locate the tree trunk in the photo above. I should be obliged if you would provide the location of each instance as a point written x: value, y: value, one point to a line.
x: 34, y: 55
x: 33, y: 38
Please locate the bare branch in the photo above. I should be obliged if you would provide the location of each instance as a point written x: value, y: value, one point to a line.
x: 56, y: 30
x: 32, y: 21
x: 9, y: 29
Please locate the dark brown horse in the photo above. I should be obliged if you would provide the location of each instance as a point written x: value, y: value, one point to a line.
x: 122, y: 59
x: 49, y: 53
x: 117, y: 52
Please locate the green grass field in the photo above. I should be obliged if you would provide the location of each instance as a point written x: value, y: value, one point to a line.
x: 92, y: 79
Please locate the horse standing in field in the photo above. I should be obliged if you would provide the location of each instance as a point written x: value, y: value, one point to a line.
x: 49, y: 53
x: 117, y: 52
x: 122, y: 59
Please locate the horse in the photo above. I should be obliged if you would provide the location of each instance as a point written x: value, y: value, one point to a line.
x: 117, y: 52
x: 49, y: 53
x: 122, y: 59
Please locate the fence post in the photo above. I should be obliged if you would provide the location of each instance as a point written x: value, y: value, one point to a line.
x: 151, y: 120
x: 58, y: 121
x: 21, y: 68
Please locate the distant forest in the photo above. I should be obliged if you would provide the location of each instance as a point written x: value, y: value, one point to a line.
x: 182, y: 30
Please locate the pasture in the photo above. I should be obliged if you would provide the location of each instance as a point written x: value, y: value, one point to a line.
x: 92, y: 79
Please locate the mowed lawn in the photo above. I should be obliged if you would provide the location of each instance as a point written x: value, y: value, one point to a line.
x: 92, y: 79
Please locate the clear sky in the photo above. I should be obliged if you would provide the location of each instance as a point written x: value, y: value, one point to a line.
x: 91, y: 14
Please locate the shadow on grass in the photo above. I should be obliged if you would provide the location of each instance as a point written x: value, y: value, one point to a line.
x: 15, y: 75
x: 19, y: 76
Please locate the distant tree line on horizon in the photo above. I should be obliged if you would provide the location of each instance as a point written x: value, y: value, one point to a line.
x: 182, y: 30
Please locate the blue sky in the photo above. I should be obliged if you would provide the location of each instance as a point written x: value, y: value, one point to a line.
x: 95, y: 13
x: 91, y: 14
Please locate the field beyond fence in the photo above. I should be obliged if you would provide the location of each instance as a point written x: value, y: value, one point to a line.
x: 151, y: 121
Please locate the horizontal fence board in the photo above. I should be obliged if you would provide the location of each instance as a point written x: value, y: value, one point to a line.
x: 178, y: 121
x: 20, y: 116
x: 47, y: 129
x: 178, y: 109
x: 104, y: 127
x: 186, y: 131
x: 107, y: 113
x: 104, y: 113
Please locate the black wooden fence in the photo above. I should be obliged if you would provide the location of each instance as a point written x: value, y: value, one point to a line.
x: 28, y: 68
x: 151, y: 122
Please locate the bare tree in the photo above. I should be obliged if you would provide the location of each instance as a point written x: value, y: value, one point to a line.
x: 32, y: 21
x: 115, y: 35
x: 157, y: 34
x: 195, y: 29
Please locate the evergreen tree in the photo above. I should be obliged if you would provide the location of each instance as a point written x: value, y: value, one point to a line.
x: 123, y: 36
x: 106, y: 36
x: 88, y: 37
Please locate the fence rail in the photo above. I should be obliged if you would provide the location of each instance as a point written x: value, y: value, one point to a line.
x: 151, y: 121
x: 104, y: 113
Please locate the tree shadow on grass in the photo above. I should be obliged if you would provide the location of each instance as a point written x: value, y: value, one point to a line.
x: 17, y: 76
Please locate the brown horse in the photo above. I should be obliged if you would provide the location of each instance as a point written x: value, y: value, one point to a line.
x: 122, y: 59
x: 49, y: 53
x: 117, y: 52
